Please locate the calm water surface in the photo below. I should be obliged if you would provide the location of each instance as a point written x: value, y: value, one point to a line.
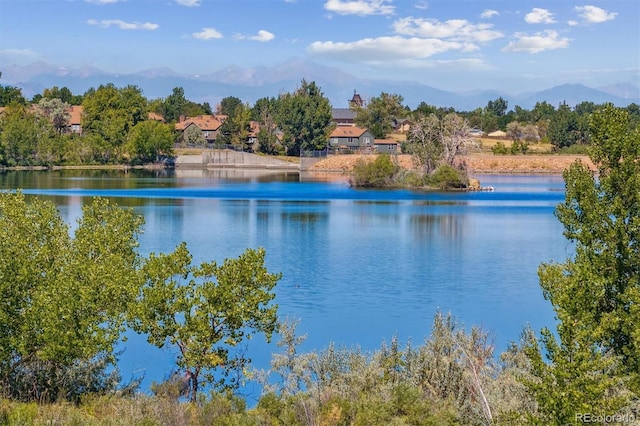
x: 358, y: 265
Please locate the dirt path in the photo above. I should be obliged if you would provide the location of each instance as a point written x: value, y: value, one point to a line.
x: 480, y: 163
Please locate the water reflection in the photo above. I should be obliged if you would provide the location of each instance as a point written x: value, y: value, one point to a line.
x: 358, y: 266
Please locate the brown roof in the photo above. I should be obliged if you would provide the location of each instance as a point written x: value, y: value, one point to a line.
x: 347, y: 132
x: 75, y: 112
x: 155, y: 116
x: 204, y: 122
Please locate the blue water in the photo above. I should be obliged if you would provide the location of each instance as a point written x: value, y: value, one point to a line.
x: 359, y: 266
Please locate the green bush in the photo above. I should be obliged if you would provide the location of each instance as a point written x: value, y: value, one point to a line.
x: 375, y: 174
x: 500, y: 149
x: 447, y: 177
x: 575, y: 149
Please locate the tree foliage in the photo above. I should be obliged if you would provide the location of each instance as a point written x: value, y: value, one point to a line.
x: 379, y: 114
x: 304, y: 117
x: 149, y: 140
x: 206, y: 311
x: 65, y: 298
x: 109, y: 114
x: 596, y: 293
x: 433, y: 141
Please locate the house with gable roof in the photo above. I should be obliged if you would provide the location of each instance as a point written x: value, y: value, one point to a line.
x: 209, y: 125
x: 350, y: 137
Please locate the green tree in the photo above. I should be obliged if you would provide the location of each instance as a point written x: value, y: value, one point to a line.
x: 65, y: 298
x: 109, y: 114
x: 10, y: 94
x: 148, y: 140
x: 564, y: 127
x: 498, y: 106
x: 596, y: 293
x: 379, y: 114
x: 207, y: 311
x: 264, y: 112
x: 174, y: 105
x: 64, y: 94
x: 20, y: 133
x: 229, y: 105
x: 304, y: 117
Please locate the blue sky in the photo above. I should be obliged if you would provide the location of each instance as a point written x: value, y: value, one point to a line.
x: 457, y: 45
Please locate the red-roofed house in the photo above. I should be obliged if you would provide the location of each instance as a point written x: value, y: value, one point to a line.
x: 209, y: 125
x: 75, y: 119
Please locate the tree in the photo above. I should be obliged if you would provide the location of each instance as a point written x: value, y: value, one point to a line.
x: 433, y: 141
x: 193, y: 136
x: 379, y: 114
x: 20, y: 133
x: 264, y: 112
x: 564, y: 127
x: 498, y: 106
x: 148, y: 140
x: 304, y: 117
x: 229, y: 105
x: 56, y: 111
x: 109, y: 114
x: 173, y: 106
x: 10, y: 94
x: 595, y: 358
x: 207, y: 311
x: 65, y: 298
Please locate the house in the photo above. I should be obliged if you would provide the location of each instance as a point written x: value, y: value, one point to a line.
x: 351, y: 137
x: 209, y: 125
x: 401, y: 125
x: 475, y: 133
x: 343, y: 116
x: 387, y: 146
x: 498, y: 134
x: 75, y: 119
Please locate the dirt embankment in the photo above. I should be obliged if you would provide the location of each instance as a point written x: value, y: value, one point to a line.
x: 480, y: 163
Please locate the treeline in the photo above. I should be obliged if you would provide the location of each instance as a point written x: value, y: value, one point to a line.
x: 116, y: 127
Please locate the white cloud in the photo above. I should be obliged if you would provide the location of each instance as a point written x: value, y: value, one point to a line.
x: 572, y: 23
x: 546, y: 40
x: 594, y: 15
x: 382, y: 49
x: 455, y: 29
x: 262, y: 36
x: 123, y: 25
x: 188, y: 3
x: 207, y: 34
x: 539, y: 16
x: 18, y: 55
x: 101, y: 2
x: 360, y: 7
x: 422, y: 5
x: 489, y: 13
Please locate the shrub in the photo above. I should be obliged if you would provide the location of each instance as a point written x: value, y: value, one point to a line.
x: 499, y: 148
x: 374, y: 174
x: 447, y: 177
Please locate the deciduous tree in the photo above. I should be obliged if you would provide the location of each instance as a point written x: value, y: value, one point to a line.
x: 595, y: 356
x: 206, y: 311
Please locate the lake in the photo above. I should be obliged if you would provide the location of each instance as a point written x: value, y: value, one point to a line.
x: 359, y: 266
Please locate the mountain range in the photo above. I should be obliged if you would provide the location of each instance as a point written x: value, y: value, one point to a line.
x: 250, y: 84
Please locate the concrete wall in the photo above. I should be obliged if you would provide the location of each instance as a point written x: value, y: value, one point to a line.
x: 227, y: 158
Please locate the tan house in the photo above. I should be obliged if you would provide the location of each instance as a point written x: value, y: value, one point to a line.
x: 209, y: 125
